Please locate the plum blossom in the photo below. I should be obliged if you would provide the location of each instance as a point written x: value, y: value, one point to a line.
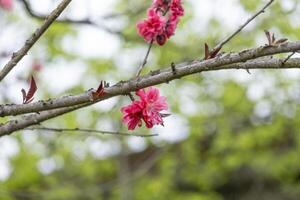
x: 132, y: 115
x: 6, y: 4
x: 151, y: 27
x: 153, y: 104
x: 171, y: 27
x: 148, y: 109
x: 176, y: 8
x: 162, y: 19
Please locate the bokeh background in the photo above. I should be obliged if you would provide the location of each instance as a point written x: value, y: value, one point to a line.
x: 232, y: 135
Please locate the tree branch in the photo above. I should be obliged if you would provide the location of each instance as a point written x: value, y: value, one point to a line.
x: 33, y: 119
x: 242, y: 60
x: 88, y: 131
x: 85, y: 21
x: 17, y: 56
x: 145, y: 81
x: 154, y: 78
x: 226, y: 40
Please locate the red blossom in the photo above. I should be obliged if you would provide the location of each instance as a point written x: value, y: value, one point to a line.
x: 171, y: 27
x: 37, y: 66
x: 132, y: 115
x: 176, y: 8
x: 151, y: 27
x: 6, y: 4
x: 147, y: 109
x: 163, y: 17
x: 153, y: 104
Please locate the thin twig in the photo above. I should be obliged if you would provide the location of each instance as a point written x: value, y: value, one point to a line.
x: 131, y: 96
x: 88, y: 131
x: 85, y: 21
x: 17, y: 56
x: 287, y: 58
x: 226, y: 40
x: 145, y: 59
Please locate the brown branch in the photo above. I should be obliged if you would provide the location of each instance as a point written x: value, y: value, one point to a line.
x: 226, y: 40
x: 88, y: 131
x: 33, y: 119
x: 231, y: 60
x: 153, y: 78
x: 163, y: 76
x: 17, y: 56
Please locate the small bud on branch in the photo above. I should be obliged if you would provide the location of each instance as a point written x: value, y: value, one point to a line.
x: 28, y: 97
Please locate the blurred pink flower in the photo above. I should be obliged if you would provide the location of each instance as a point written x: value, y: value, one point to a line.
x: 148, y: 109
x: 6, y: 4
x: 37, y: 66
x: 176, y: 8
x: 171, y: 27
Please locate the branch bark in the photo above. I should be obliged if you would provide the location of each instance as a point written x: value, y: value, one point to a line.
x: 152, y: 79
x: 162, y: 76
x: 246, y: 59
x: 17, y: 56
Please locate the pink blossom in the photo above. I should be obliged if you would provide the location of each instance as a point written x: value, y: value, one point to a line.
x: 132, y: 115
x: 171, y: 27
x: 152, y: 98
x: 6, y: 4
x: 148, y: 109
x: 176, y: 8
x: 153, y: 105
x: 151, y: 27
x: 36, y: 66
x: 163, y: 17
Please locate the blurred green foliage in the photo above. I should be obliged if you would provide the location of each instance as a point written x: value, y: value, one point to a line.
x: 238, y: 147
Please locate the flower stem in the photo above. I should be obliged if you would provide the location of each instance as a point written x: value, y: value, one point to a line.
x: 145, y: 59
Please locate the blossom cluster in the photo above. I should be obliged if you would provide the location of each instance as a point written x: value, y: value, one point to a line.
x: 6, y: 4
x: 162, y: 19
x: 148, y: 109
